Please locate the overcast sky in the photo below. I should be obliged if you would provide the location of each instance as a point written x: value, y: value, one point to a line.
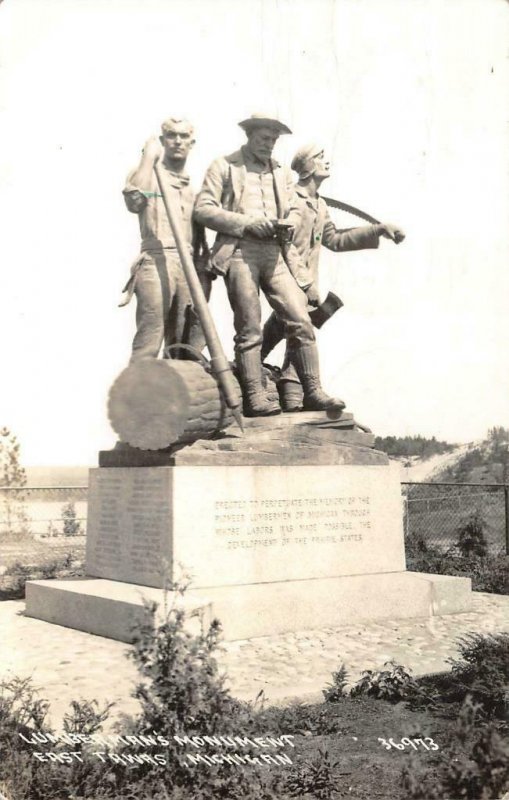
x: 410, y: 98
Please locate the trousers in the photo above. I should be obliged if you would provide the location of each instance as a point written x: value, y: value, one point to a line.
x: 164, y: 309
x: 257, y: 265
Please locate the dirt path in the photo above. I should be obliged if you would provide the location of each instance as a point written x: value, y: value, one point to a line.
x: 422, y: 471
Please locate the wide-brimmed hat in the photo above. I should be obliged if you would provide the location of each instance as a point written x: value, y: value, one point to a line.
x: 263, y: 121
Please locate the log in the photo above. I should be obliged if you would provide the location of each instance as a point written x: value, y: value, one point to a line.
x: 157, y: 403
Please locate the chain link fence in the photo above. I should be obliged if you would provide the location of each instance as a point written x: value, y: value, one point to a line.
x: 41, y: 524
x: 43, y: 511
x: 437, y: 513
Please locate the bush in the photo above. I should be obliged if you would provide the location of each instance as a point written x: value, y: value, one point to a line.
x: 16, y: 575
x: 301, y: 719
x: 71, y: 525
x: 318, y: 778
x: 337, y: 689
x: 473, y: 766
x: 182, y: 694
x: 471, y: 538
x: 23, y: 776
x: 392, y: 684
x: 482, y: 671
x: 489, y: 573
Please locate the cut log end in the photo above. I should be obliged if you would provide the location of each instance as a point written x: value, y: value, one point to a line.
x: 156, y: 403
x: 148, y: 404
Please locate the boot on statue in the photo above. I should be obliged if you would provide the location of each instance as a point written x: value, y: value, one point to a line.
x: 255, y: 400
x: 290, y: 395
x: 305, y: 361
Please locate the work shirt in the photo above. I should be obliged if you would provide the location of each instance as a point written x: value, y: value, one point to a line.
x: 154, y: 225
x: 258, y: 198
x: 314, y: 228
x: 221, y: 203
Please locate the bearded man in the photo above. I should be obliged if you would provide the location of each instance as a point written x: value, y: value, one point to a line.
x: 244, y: 197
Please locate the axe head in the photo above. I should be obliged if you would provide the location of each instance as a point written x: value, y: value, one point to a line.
x: 325, y: 310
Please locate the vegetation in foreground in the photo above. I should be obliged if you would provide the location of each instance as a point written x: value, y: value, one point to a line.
x: 388, y: 736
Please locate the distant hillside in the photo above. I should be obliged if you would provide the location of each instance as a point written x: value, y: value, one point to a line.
x: 410, y: 446
x: 486, y: 462
x: 57, y: 476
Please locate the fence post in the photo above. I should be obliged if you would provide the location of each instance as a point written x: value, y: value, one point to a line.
x: 506, y: 498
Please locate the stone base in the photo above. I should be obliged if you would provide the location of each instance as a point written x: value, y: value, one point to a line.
x: 308, y: 437
x: 105, y: 608
x: 111, y: 608
x: 225, y: 525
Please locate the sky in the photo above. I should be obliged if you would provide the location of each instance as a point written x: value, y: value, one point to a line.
x: 410, y: 101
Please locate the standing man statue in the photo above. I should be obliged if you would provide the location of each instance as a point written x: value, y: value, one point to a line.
x: 243, y: 197
x: 164, y: 309
x: 314, y: 228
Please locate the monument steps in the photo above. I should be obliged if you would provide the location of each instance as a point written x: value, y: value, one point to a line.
x: 114, y: 609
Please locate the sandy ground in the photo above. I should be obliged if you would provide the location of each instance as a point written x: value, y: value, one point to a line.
x: 423, y: 471
x: 67, y: 664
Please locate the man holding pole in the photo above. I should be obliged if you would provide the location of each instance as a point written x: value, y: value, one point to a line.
x: 245, y: 196
x: 164, y: 307
x: 314, y: 229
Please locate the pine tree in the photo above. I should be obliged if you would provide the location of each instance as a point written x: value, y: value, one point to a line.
x: 12, y: 477
x: 72, y: 526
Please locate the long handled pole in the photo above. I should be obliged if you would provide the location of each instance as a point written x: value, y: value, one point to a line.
x: 220, y: 366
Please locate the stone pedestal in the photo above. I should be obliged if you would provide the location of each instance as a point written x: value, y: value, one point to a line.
x: 242, y: 525
x: 298, y: 524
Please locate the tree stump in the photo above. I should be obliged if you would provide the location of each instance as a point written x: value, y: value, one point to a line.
x: 156, y: 403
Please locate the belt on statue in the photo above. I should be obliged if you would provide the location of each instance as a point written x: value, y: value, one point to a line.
x: 266, y: 240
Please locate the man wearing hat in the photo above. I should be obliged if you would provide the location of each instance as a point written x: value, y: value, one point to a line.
x: 314, y: 228
x: 243, y: 197
x: 164, y: 309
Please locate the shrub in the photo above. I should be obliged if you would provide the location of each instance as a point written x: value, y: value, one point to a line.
x: 16, y: 575
x: 482, y: 671
x: 300, y: 719
x: 71, y: 526
x: 489, y: 573
x: 23, y: 776
x: 473, y: 766
x: 471, y: 538
x: 337, y: 689
x: 183, y: 694
x: 392, y: 684
x: 317, y: 778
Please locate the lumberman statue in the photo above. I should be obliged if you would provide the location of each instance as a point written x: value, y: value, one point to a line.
x: 243, y: 197
x: 164, y: 309
x: 313, y: 228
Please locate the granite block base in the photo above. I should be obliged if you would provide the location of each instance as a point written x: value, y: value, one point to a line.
x: 112, y: 609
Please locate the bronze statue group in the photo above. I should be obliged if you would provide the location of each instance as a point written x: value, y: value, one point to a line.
x: 269, y: 231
